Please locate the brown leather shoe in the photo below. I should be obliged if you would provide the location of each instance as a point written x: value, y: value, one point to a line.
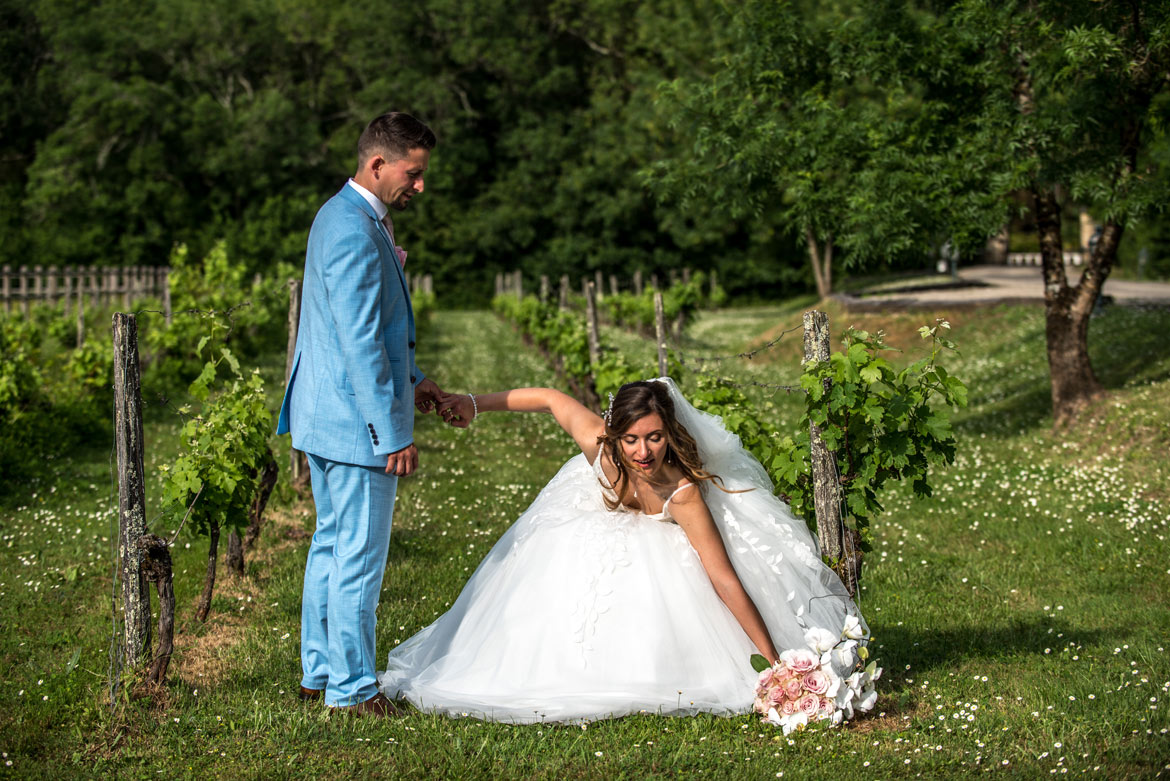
x: 307, y: 695
x: 377, y: 705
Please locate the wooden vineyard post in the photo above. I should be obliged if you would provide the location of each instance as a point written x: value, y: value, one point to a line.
x: 588, y: 391
x: 25, y: 294
x: 826, y: 486
x: 80, y: 319
x: 660, y: 332
x: 613, y: 285
x: 131, y: 489
x: 544, y: 288
x: 638, y: 283
x: 591, y: 322
x: 499, y: 283
x: 598, y: 285
x: 296, y: 458
x: 166, y: 294
x: 563, y: 302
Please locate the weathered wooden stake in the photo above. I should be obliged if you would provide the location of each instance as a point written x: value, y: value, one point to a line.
x: 598, y: 285
x: 81, y: 319
x: 544, y: 288
x: 826, y: 486
x: 6, y: 287
x: 166, y: 287
x: 660, y: 332
x: 613, y: 286
x: 294, y: 322
x: 499, y: 283
x: 591, y: 323
x: 131, y: 489
x: 563, y: 302
x: 24, y: 292
x: 638, y: 282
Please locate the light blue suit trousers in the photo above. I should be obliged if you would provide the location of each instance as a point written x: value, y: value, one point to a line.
x: 343, y: 577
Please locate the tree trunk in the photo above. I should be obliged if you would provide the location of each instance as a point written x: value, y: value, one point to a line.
x: 204, y: 606
x: 157, y: 569
x: 1067, y: 309
x: 260, y: 501
x: 235, y: 554
x: 821, y: 259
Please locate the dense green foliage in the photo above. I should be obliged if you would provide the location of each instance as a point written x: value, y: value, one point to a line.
x: 882, y: 128
x: 190, y: 122
x: 53, y: 396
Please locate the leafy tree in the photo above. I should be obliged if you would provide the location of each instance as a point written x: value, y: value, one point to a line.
x: 1079, y: 89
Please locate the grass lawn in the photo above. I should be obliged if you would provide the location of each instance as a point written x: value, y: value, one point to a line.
x: 1019, y: 614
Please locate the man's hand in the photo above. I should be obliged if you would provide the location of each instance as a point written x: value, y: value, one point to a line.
x: 427, y: 395
x: 456, y: 409
x: 402, y: 462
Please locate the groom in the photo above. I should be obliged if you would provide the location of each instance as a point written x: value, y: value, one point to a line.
x: 349, y: 407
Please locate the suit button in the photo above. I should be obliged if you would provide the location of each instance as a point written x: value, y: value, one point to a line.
x: 412, y: 379
x: 410, y: 345
x: 375, y: 441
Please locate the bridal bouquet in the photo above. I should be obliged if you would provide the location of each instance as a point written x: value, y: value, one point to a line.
x: 825, y: 681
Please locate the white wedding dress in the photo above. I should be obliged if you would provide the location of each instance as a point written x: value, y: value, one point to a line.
x: 581, y: 613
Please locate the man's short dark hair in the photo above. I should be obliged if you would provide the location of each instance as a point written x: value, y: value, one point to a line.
x: 393, y: 135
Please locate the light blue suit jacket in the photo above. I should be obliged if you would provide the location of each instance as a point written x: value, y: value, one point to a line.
x: 350, y: 395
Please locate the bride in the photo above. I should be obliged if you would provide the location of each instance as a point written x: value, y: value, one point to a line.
x: 641, y: 579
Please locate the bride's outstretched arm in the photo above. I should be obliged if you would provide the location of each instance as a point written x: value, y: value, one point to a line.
x: 690, y: 512
x: 579, y: 421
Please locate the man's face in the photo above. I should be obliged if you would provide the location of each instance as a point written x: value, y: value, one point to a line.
x: 396, y: 182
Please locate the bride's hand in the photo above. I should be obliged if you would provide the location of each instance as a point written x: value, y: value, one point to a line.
x: 456, y: 409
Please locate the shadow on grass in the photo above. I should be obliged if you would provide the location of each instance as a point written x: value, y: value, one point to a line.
x: 926, y: 650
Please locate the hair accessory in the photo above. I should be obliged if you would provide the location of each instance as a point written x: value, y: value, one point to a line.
x: 608, y: 416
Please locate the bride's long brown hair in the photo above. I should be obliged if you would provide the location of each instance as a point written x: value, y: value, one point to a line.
x: 634, y: 401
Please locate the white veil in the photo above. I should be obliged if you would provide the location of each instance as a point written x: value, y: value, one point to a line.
x: 776, y: 557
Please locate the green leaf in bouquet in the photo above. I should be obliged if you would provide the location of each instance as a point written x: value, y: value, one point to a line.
x: 759, y: 663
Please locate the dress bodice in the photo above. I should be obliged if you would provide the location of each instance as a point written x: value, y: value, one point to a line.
x: 608, y: 492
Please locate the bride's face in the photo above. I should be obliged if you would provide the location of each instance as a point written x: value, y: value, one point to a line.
x: 644, y: 444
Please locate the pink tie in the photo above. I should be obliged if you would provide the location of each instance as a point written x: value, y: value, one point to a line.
x: 399, y: 251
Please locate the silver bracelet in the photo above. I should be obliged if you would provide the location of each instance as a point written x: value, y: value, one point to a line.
x: 474, y: 407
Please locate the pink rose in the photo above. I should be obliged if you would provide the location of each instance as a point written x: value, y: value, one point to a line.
x: 826, y: 709
x: 401, y: 255
x: 809, y: 704
x: 775, y: 696
x: 792, y: 687
x: 800, y: 660
x: 816, y: 682
x: 788, y: 707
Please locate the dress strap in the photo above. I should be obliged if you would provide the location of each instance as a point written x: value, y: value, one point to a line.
x: 684, y: 484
